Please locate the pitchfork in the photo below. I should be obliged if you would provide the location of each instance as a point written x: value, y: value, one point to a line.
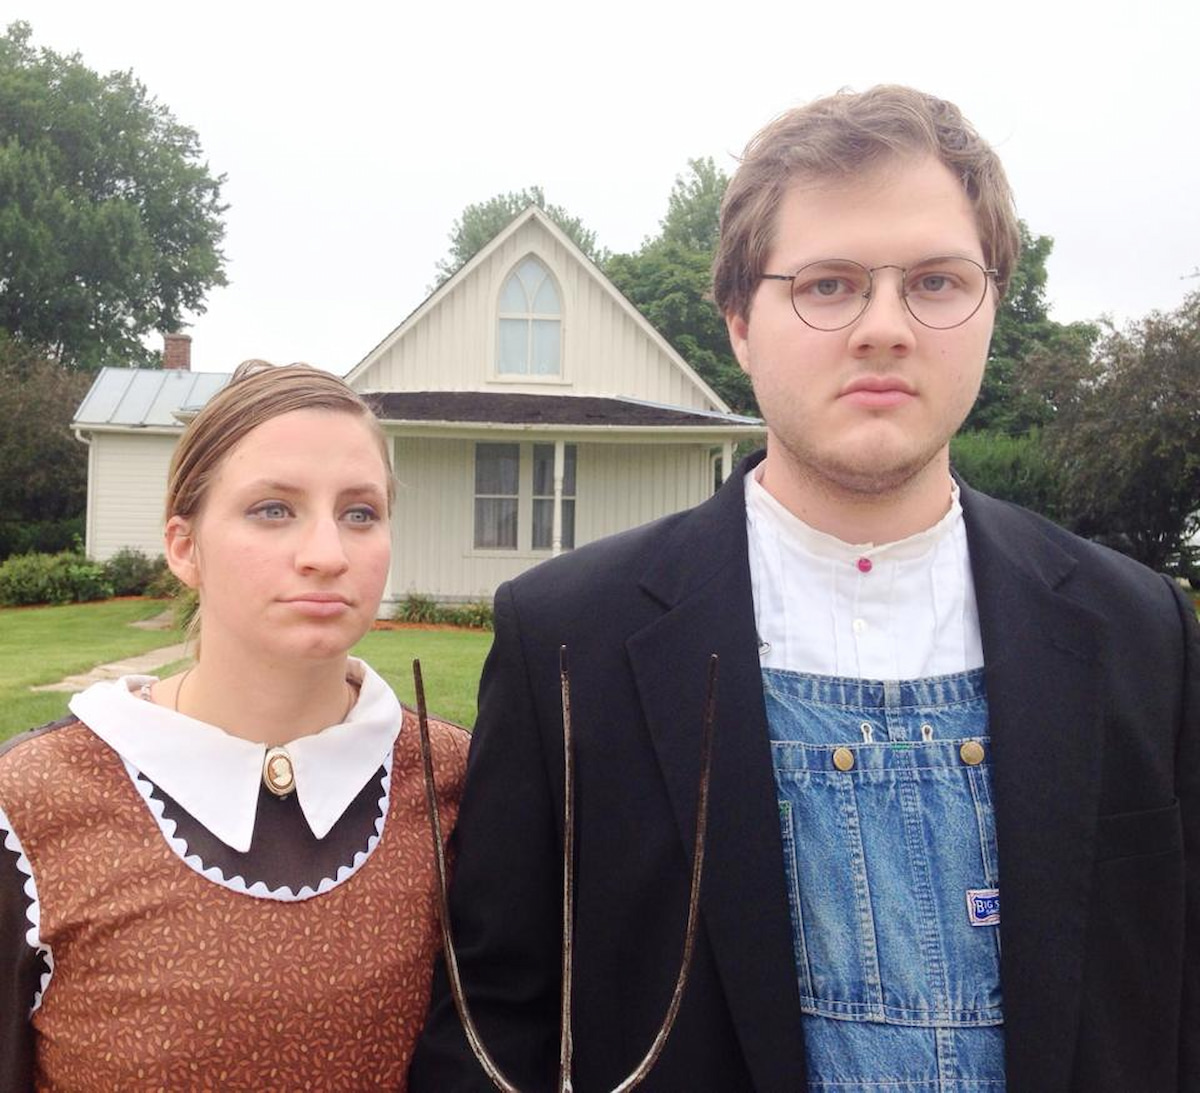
x: 568, y: 916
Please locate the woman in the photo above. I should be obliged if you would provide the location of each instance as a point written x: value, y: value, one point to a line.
x: 223, y: 879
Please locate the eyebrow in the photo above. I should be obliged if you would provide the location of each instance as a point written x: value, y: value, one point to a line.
x: 275, y: 485
x: 953, y: 252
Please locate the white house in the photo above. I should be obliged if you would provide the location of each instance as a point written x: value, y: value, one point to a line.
x: 531, y: 408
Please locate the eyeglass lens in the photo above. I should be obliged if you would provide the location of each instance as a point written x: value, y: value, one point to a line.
x: 939, y: 292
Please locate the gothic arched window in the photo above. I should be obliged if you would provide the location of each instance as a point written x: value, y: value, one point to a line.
x: 530, y: 335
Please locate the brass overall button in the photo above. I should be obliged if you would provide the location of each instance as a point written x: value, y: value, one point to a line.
x: 971, y: 753
x: 843, y: 759
x: 278, y: 775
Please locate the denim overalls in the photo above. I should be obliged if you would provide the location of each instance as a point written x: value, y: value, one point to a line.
x: 890, y: 858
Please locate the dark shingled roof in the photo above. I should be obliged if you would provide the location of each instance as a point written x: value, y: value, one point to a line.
x: 523, y: 409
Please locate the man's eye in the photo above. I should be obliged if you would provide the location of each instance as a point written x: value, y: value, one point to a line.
x: 825, y: 287
x: 933, y: 282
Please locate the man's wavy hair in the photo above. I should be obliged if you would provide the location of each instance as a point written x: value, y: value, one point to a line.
x: 841, y: 137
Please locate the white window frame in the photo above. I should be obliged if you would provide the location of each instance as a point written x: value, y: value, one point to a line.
x: 529, y: 317
x: 525, y: 499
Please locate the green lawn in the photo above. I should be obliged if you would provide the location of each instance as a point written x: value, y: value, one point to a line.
x: 44, y: 644
x: 450, y: 664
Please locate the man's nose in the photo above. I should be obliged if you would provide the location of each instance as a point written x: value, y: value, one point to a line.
x: 886, y: 319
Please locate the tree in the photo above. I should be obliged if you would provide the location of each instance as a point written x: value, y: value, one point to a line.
x: 1125, y: 434
x: 668, y: 280
x: 1023, y: 326
x: 43, y: 487
x: 479, y: 224
x: 110, y: 222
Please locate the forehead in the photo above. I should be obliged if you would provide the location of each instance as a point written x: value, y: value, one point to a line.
x: 899, y: 211
x: 307, y: 443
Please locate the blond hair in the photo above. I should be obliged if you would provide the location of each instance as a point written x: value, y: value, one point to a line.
x: 840, y: 136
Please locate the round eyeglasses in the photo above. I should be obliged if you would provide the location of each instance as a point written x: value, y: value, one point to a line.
x: 941, y: 293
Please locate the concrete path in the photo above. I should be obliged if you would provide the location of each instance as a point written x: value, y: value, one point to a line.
x: 143, y: 665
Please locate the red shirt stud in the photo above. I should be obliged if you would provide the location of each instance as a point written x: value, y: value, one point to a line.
x: 864, y: 565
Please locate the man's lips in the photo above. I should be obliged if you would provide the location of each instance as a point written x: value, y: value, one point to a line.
x: 878, y: 392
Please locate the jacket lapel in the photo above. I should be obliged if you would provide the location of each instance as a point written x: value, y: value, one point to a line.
x: 1043, y: 682
x: 703, y: 582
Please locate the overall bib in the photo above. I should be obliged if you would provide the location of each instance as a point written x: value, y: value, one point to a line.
x: 890, y: 857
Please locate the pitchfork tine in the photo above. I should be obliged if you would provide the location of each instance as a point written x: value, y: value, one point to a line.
x: 439, y: 857
x: 565, y: 1043
x: 568, y: 930
x: 689, y: 938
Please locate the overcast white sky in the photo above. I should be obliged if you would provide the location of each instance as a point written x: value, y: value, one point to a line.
x: 354, y: 134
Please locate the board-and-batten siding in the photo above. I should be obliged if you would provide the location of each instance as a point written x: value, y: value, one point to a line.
x: 128, y: 486
x: 452, y: 347
x: 617, y: 487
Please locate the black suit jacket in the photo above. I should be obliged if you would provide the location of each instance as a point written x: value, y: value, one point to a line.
x: 1093, y: 680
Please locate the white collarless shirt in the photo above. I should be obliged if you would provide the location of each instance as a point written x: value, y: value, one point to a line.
x: 886, y: 611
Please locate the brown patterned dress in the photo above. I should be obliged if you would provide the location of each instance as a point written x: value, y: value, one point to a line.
x: 178, y: 963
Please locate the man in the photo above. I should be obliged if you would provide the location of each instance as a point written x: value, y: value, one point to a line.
x: 954, y: 834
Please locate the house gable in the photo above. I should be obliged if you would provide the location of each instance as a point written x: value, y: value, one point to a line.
x: 450, y: 343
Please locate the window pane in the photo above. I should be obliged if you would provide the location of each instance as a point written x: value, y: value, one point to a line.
x: 513, y: 352
x: 513, y: 297
x: 532, y: 273
x: 543, y: 470
x: 496, y: 523
x: 545, y: 346
x: 546, y: 301
x: 569, y: 471
x: 568, y: 524
x: 543, y: 525
x: 496, y: 468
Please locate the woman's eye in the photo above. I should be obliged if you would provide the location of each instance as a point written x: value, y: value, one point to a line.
x: 271, y: 510
x: 361, y: 514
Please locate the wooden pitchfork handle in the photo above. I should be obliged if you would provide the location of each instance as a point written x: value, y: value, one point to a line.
x: 481, y: 1053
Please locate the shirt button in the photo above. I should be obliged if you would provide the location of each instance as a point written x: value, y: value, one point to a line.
x: 843, y: 759
x: 865, y: 565
x: 859, y: 626
x: 971, y: 753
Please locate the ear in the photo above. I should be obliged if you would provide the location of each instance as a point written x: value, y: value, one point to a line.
x: 182, y: 556
x: 739, y: 338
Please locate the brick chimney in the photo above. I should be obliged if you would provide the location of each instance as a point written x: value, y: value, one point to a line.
x: 177, y: 352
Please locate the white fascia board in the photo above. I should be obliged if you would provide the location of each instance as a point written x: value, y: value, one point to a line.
x: 459, y: 430
x: 129, y: 430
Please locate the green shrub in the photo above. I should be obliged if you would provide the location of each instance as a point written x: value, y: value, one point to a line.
x: 474, y: 616
x: 165, y: 585
x: 131, y: 573
x: 424, y: 610
x: 417, y: 608
x: 1012, y: 468
x: 65, y: 577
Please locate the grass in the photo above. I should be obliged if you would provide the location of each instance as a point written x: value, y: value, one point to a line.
x: 450, y: 665
x: 44, y: 644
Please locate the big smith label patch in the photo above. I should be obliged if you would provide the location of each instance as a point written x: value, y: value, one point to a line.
x: 983, y: 906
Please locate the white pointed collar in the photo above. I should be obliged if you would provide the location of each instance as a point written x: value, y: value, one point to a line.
x: 216, y: 777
